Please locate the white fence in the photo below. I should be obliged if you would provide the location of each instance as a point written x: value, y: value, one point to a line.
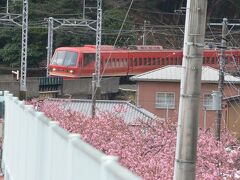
x: 36, y: 148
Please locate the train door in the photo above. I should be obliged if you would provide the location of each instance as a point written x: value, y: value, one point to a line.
x: 130, y: 64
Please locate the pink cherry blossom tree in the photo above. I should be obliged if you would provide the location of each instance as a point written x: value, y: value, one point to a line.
x: 147, y: 147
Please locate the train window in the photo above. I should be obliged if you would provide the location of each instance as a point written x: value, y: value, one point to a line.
x: 175, y: 61
x: 154, y: 61
x: 70, y: 59
x: 145, y: 61
x: 121, y: 63
x: 117, y: 63
x: 208, y: 60
x: 171, y: 60
x: 213, y: 60
x: 149, y: 61
x: 113, y: 62
x: 158, y: 61
x: 163, y: 61
x: 140, y: 61
x: 88, y: 58
x: 58, y: 57
x: 167, y: 61
x: 126, y: 62
x: 135, y: 61
x: 131, y: 62
x: 107, y: 62
x: 65, y: 58
x: 180, y: 61
x: 204, y: 61
x: 226, y: 60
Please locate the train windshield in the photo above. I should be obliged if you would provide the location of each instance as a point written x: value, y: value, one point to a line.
x: 65, y: 58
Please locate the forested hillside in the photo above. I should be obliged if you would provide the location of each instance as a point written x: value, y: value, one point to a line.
x: 164, y: 25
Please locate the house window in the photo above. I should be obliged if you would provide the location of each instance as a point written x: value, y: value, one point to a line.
x: 165, y: 100
x: 207, y: 101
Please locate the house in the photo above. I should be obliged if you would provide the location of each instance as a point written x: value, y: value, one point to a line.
x: 233, y: 114
x: 124, y: 109
x: 158, y: 91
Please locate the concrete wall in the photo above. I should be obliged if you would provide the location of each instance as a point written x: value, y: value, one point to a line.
x: 10, y: 84
x: 146, y: 95
x: 78, y: 87
x: 75, y: 88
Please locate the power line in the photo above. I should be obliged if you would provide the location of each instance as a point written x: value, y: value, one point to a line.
x: 94, y: 92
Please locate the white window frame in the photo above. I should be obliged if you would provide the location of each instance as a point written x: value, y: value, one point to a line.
x: 164, y: 105
x: 207, y: 105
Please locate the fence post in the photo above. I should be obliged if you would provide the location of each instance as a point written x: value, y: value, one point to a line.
x: 2, y: 112
x: 39, y: 154
x: 51, y: 124
x: 71, y: 139
x: 106, y: 161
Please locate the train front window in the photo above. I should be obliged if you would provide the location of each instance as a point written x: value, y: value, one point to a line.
x: 58, y: 57
x: 88, y: 58
x: 70, y: 59
x: 65, y: 58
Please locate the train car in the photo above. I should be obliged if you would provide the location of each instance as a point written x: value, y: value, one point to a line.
x: 76, y: 62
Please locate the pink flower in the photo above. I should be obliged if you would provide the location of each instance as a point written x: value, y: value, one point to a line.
x: 147, y: 147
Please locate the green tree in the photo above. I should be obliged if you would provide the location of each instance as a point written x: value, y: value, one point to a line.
x: 10, y: 46
x: 112, y: 22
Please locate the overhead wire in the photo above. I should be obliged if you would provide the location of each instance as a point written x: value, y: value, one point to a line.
x: 232, y: 85
x: 119, y: 33
x: 100, y: 79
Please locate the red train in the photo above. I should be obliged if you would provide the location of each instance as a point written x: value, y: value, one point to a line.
x: 75, y: 62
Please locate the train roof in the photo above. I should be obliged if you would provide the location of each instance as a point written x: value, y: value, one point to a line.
x: 109, y: 48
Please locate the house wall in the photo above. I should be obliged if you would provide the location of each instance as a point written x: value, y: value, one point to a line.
x: 147, y: 96
x: 233, y: 117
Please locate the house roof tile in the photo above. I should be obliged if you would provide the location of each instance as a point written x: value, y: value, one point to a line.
x: 129, y: 111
